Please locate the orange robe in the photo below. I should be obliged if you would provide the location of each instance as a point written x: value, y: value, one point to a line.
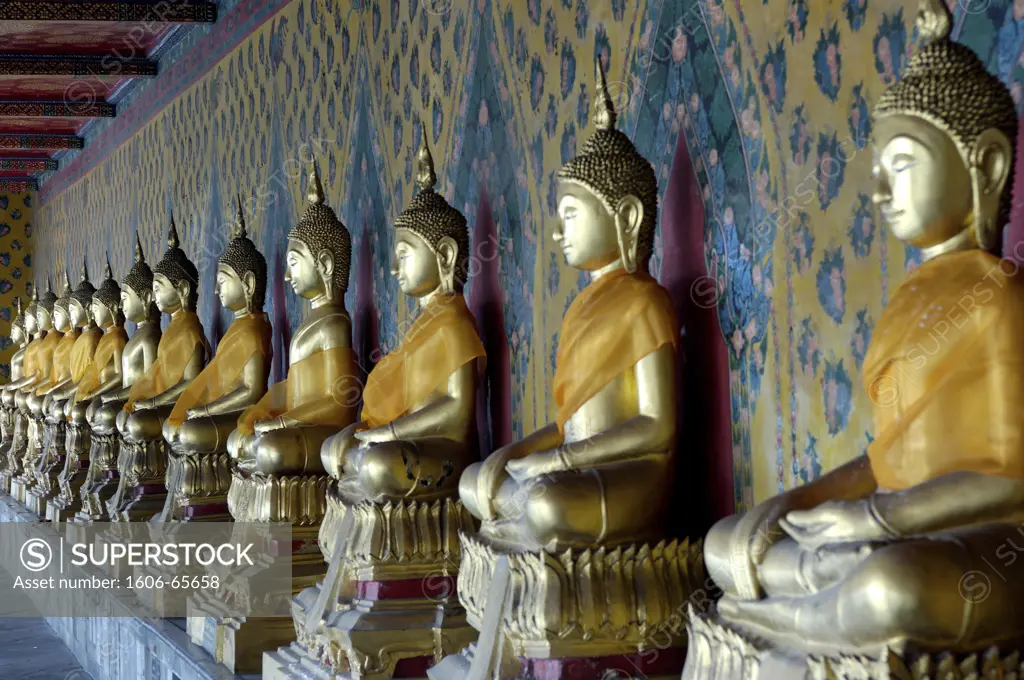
x: 611, y: 325
x: 30, y: 362
x: 60, y: 361
x: 311, y: 393
x: 177, y: 345
x: 945, y: 373
x: 83, y: 351
x: 441, y: 340
x: 109, y: 345
x: 246, y: 337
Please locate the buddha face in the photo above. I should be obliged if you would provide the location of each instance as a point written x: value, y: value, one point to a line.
x: 17, y: 335
x: 135, y: 308
x: 167, y: 297
x: 414, y: 265
x: 44, y: 320
x: 104, y: 317
x: 585, y: 229
x: 922, y: 187
x: 230, y: 289
x: 31, y: 324
x: 79, y: 314
x: 61, y: 320
x: 305, y: 273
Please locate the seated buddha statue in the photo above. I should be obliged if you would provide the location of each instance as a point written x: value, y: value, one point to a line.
x: 102, y: 319
x: 14, y: 448
x: 107, y: 389
x: 615, y: 428
x: 180, y: 357
x: 51, y: 364
x: 207, y: 411
x: 19, y: 338
x: 86, y: 336
x: 896, y: 548
x: 415, y: 435
x: 587, y: 494
x: 282, y: 433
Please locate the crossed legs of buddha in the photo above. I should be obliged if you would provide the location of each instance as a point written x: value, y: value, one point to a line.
x: 956, y: 591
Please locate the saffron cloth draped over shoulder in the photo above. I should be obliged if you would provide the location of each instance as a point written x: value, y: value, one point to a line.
x: 945, y: 374
x: 177, y: 344
x: 311, y: 391
x: 611, y: 325
x: 31, y: 364
x: 246, y: 337
x: 442, y: 339
x: 109, y: 345
x: 83, y: 351
x: 60, y: 361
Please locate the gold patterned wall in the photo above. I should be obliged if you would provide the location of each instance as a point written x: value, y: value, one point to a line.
x: 769, y: 101
x: 16, y: 239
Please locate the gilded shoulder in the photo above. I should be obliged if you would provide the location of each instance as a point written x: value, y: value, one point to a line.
x: 336, y: 331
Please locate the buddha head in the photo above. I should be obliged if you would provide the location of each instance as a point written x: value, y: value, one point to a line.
x: 18, y: 334
x: 241, y: 272
x: 319, y: 249
x: 431, y: 239
x: 175, y: 278
x: 31, y: 314
x: 106, y: 303
x: 44, y: 308
x: 137, y: 294
x: 944, y: 143
x: 61, y: 316
x: 607, y: 197
x: 80, y: 305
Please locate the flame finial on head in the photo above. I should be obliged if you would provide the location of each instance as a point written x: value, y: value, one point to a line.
x: 605, y: 117
x: 85, y: 269
x: 140, y: 255
x: 239, y: 227
x: 35, y: 294
x: 67, y: 281
x: 426, y: 178
x: 172, y: 234
x: 933, y: 21
x: 315, y: 190
x: 107, y: 271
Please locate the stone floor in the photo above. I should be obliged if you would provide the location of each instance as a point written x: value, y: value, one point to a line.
x: 29, y: 649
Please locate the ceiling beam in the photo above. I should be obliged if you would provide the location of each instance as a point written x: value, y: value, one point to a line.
x: 79, y: 67
x: 37, y: 142
x: 162, y: 11
x: 16, y: 185
x: 28, y: 164
x: 85, y: 109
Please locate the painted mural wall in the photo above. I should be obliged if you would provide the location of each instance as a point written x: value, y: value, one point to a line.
x: 754, y: 114
x: 16, y: 240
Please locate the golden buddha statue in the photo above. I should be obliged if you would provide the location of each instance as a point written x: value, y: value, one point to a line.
x: 573, y: 515
x: 281, y: 434
x: 108, y: 388
x: 104, y: 326
x: 180, y: 357
x: 20, y: 339
x: 84, y: 336
x: 887, y: 561
x: 402, y: 461
x: 278, y: 475
x: 13, y: 451
x: 207, y: 412
x: 48, y: 365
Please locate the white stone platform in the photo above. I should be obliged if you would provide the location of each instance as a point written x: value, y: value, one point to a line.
x: 128, y: 648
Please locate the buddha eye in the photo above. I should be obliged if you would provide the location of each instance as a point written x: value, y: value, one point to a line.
x: 903, y: 162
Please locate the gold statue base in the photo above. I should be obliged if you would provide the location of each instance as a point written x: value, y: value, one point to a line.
x: 569, y: 614
x: 388, y: 602
x: 239, y: 643
x: 49, y: 469
x: 719, y: 651
x: 141, y: 491
x: 72, y: 477
x: 15, y: 454
x: 197, y: 487
x: 21, y: 484
x: 101, y: 479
